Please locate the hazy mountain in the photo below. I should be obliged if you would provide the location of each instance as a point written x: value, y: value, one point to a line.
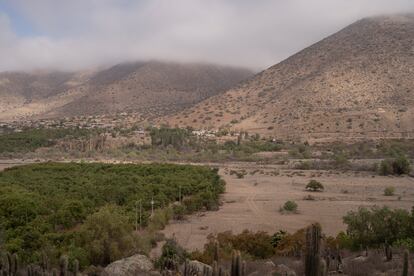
x: 149, y: 88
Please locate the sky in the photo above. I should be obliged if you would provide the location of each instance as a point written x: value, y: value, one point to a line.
x: 83, y: 34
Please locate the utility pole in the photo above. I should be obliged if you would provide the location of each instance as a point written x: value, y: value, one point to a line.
x: 152, y: 206
x: 140, y: 214
x: 136, y: 215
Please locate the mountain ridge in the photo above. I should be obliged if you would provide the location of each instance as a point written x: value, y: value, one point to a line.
x: 357, y: 82
x: 141, y: 87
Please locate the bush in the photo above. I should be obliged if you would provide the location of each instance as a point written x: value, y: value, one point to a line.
x: 373, y: 227
x: 179, y: 211
x: 290, y: 206
x: 314, y: 186
x: 385, y: 167
x: 172, y: 255
x: 397, y: 166
x: 389, y: 191
x: 106, y: 236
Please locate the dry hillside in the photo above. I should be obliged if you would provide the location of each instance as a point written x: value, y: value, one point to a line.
x: 356, y: 83
x: 150, y: 89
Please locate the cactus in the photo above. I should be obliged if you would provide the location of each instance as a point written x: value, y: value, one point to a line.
x: 15, y: 264
x: 55, y: 272
x: 45, y: 263
x: 215, y: 269
x: 405, y: 264
x: 63, y: 265
x: 312, y: 255
x: 216, y: 252
x: 388, y: 251
x: 236, y: 264
x: 323, y: 268
x: 75, y: 267
x: 29, y: 270
x: 207, y: 271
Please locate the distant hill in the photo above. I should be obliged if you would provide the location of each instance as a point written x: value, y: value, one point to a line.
x: 356, y: 83
x: 150, y: 89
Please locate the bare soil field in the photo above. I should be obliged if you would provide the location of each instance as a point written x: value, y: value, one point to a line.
x: 253, y: 202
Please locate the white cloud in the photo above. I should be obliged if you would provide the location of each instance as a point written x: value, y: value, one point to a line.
x: 83, y: 33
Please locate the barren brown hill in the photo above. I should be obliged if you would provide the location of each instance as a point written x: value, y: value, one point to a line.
x: 150, y: 89
x: 357, y: 83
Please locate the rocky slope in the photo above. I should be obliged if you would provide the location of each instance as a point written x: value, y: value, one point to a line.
x: 356, y: 83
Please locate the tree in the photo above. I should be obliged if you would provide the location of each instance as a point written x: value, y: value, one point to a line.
x: 107, y: 236
x: 314, y: 186
x: 376, y: 226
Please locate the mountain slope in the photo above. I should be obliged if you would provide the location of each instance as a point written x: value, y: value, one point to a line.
x: 148, y: 88
x: 356, y: 83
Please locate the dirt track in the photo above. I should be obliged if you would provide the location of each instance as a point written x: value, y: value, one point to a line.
x: 247, y: 205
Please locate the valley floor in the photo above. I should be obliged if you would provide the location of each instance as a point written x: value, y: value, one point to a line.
x: 254, y: 201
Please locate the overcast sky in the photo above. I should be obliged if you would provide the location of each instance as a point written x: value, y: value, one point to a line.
x: 80, y: 34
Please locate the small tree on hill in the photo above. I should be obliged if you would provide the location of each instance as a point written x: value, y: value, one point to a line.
x: 314, y: 186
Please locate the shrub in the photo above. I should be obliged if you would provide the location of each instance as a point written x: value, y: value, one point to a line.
x: 309, y: 197
x: 172, y: 255
x: 340, y: 160
x: 290, y: 206
x: 397, y: 166
x: 389, y: 191
x: 179, y: 211
x: 373, y: 227
x: 106, y: 236
x: 401, y: 165
x: 385, y: 167
x: 314, y: 186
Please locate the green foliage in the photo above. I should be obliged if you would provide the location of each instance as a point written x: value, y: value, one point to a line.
x: 179, y: 211
x: 407, y: 243
x: 340, y: 160
x: 31, y: 139
x: 376, y: 226
x: 314, y: 186
x: 385, y: 167
x: 278, y: 237
x: 43, y: 206
x: 172, y: 255
x: 176, y: 137
x: 300, y: 151
x: 290, y: 206
x: 389, y: 191
x: 397, y: 166
x: 106, y: 236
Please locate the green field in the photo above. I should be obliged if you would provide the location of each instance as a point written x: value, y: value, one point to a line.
x: 63, y: 208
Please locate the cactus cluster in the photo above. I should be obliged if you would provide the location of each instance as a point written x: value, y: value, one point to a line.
x: 238, y: 267
x: 9, y: 266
